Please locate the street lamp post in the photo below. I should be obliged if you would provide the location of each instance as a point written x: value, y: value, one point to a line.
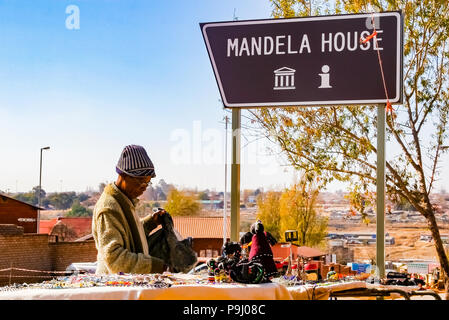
x: 40, y: 188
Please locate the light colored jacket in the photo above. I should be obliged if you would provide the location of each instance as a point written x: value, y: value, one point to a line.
x: 117, y: 237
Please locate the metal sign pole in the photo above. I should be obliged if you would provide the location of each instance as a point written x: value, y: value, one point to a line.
x: 235, y: 175
x: 380, y: 218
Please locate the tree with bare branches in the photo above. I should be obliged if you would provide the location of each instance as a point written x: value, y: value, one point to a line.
x: 339, y: 143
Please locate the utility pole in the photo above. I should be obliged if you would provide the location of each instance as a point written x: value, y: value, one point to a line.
x: 39, y: 194
x: 225, y: 200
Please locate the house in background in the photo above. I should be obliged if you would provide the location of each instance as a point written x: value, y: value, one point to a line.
x: 19, y: 213
x: 281, y: 251
x: 66, y: 228
x: 207, y: 234
x: 212, y: 204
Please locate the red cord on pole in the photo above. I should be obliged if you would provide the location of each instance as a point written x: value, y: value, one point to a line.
x: 369, y: 37
x: 389, y: 107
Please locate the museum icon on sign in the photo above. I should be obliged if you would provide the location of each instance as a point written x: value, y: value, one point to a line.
x: 284, y: 79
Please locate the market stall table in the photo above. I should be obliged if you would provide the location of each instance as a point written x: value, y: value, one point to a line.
x: 195, y: 287
x: 322, y: 291
x: 403, y: 291
x: 356, y: 289
x: 182, y: 291
x: 267, y: 291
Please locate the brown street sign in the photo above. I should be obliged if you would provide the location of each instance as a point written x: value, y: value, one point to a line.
x: 307, y: 61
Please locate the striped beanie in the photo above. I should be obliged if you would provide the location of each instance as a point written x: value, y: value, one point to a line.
x: 134, y: 161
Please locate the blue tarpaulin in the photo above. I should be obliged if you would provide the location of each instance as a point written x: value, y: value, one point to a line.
x: 359, y: 267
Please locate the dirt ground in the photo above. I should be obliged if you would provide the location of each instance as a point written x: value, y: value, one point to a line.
x: 407, y: 244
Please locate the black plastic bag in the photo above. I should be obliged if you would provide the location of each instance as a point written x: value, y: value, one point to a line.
x: 246, y: 271
x: 163, y: 244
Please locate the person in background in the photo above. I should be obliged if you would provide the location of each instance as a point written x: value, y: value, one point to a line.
x: 331, y: 274
x: 119, y: 234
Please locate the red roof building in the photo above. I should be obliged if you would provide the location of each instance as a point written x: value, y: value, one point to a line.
x: 45, y: 226
x: 282, y: 251
x: 207, y: 234
x: 79, y: 226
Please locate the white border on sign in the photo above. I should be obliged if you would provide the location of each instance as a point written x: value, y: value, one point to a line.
x: 312, y: 103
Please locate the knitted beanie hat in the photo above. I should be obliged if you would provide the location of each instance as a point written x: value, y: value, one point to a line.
x: 134, y: 161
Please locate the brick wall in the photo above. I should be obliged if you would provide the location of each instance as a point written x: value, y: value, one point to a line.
x: 35, y: 252
x: 29, y: 251
x: 65, y: 253
x: 11, y: 229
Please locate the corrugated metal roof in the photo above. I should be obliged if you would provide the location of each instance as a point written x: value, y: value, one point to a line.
x: 202, y: 227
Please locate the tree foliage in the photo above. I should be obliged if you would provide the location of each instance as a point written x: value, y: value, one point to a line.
x: 293, y: 209
x: 297, y: 212
x: 339, y: 143
x: 268, y: 212
x: 62, y: 200
x: 32, y: 197
x: 58, y: 200
x: 182, y: 203
x: 78, y: 210
x: 28, y: 197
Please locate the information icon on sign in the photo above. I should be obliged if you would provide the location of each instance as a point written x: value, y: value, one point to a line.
x: 284, y: 79
x: 325, y: 76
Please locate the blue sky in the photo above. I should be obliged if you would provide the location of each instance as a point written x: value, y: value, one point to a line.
x: 136, y: 72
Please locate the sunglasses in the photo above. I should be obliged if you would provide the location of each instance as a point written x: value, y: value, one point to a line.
x: 140, y: 181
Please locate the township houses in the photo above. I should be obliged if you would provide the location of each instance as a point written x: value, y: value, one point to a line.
x: 63, y: 241
x: 282, y: 250
x: 18, y: 213
x: 207, y: 232
x: 66, y: 228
